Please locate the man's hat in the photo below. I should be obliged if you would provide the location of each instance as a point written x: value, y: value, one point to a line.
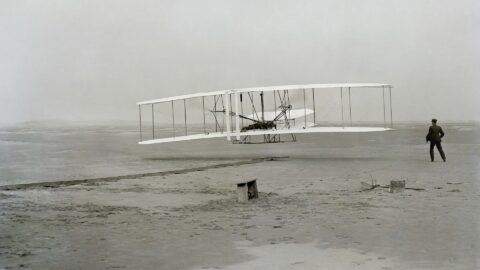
x: 434, y: 120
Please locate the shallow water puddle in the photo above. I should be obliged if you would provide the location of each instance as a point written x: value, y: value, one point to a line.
x: 305, y: 256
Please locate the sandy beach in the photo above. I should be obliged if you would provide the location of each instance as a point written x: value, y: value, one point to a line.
x: 128, y: 130
x: 312, y: 211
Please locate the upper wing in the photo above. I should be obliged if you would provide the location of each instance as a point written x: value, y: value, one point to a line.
x: 269, y: 89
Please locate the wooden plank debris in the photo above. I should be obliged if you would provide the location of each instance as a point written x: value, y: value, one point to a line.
x: 247, y: 190
x: 395, y: 187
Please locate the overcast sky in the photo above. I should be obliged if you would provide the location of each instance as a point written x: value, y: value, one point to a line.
x: 93, y: 60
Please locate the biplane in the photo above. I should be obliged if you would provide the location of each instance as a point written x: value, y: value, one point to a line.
x: 272, y: 112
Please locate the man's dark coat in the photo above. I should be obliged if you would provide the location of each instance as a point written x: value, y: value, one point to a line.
x: 435, y: 134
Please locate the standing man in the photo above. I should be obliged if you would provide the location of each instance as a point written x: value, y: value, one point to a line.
x: 435, y: 135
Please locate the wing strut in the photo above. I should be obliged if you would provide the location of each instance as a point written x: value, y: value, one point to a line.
x: 391, y: 115
x: 350, y: 105
x: 383, y: 99
x: 173, y: 120
x: 203, y: 106
x: 140, y: 115
x: 241, y: 106
x: 263, y: 109
x: 237, y: 119
x: 215, y: 108
x: 305, y: 108
x: 185, y: 111
x: 227, y: 117
x: 153, y: 123
x: 313, y: 102
x: 341, y: 102
x: 217, y: 125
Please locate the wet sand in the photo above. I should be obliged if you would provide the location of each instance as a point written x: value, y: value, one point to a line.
x: 312, y: 213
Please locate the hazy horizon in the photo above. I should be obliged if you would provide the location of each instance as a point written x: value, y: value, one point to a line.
x: 91, y: 61
x: 194, y: 125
